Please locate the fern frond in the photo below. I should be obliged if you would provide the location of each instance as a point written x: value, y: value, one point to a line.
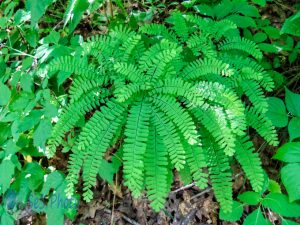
x: 178, y: 115
x: 250, y: 162
x: 129, y: 47
x: 156, y: 170
x: 136, y: 132
x: 95, y: 140
x: 196, y: 161
x: 159, y: 30
x: 73, y: 65
x: 179, y: 25
x: 215, y: 121
x: 219, y: 172
x: 241, y: 44
x: 125, y: 92
x: 71, y: 114
x: 227, y: 98
x: 81, y: 86
x: 250, y: 69
x: 129, y: 72
x: 262, y: 125
x: 202, y: 43
x: 253, y: 91
x: 121, y: 33
x: 178, y: 87
x: 221, y: 28
x: 207, y: 66
x: 167, y: 130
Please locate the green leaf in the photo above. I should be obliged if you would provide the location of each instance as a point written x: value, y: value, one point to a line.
x: 250, y: 197
x: 289, y: 152
x: 53, y: 180
x: 290, y: 177
x: 272, y: 32
x: 7, y: 219
x: 242, y: 21
x: 204, y: 10
x: 294, y: 128
x: 30, y: 121
x: 38, y: 9
x: 7, y: 171
x: 292, y: 101
x: 270, y: 48
x: 277, y: 112
x: 291, y: 25
x: 260, y: 37
x: 260, y: 2
x: 42, y: 133
x: 5, y: 94
x: 234, y: 215
x: 107, y: 171
x: 256, y: 218
x: 274, y: 187
x: 280, y: 204
x: 289, y: 222
x: 26, y: 82
x: 74, y: 11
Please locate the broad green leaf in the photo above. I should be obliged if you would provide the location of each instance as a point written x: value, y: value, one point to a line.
x: 292, y: 25
x: 74, y: 11
x: 277, y: 112
x: 274, y: 187
x: 280, y: 204
x: 26, y: 82
x: 7, y: 219
x: 256, y: 218
x: 34, y: 175
x: 107, y: 171
x: 270, y: 48
x: 294, y: 128
x: 289, y: 152
x: 292, y: 101
x: 289, y: 222
x: 53, y: 180
x: 42, y: 133
x: 30, y: 121
x: 38, y: 9
x: 55, y: 215
x: 7, y: 171
x: 5, y: 94
x: 272, y: 32
x: 234, y: 215
x: 260, y: 2
x: 242, y: 21
x: 290, y: 176
x: 204, y: 9
x: 260, y: 37
x: 250, y: 197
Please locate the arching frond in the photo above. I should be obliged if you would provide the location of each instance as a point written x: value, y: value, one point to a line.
x: 241, y: 44
x: 136, y: 132
x: 156, y: 170
x: 262, y: 125
x: 207, y: 66
x: 180, y: 117
x: 250, y: 162
x: 167, y: 130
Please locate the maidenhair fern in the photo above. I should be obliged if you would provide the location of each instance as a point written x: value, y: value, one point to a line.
x: 180, y: 97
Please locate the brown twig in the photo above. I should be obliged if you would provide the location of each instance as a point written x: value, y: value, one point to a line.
x: 184, y: 188
x: 131, y: 221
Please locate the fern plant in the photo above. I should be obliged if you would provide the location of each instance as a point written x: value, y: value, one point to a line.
x: 181, y: 97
